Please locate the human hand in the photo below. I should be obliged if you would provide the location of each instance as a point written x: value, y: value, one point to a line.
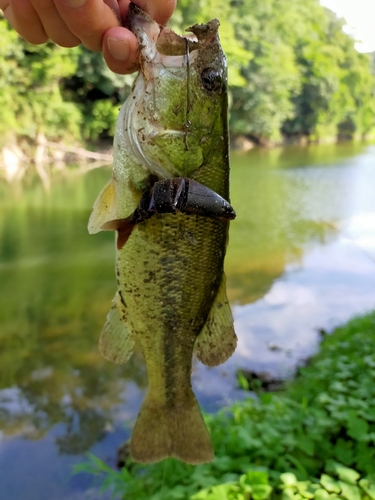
x: 94, y: 23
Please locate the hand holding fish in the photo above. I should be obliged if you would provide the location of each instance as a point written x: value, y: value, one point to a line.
x: 97, y: 24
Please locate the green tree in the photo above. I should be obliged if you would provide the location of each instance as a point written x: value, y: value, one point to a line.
x: 337, y: 87
x: 292, y: 72
x: 31, y: 100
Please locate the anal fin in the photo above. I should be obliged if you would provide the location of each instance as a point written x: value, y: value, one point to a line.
x: 217, y: 340
x: 104, y: 208
x: 116, y: 343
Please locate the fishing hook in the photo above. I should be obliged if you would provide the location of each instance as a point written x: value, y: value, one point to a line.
x: 188, y: 122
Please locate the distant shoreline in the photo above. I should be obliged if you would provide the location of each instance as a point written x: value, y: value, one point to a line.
x: 43, y: 155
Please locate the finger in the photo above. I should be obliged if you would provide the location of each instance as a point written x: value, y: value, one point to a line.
x: 120, y: 50
x: 160, y: 10
x: 26, y: 22
x: 120, y: 47
x: 113, y: 5
x: 88, y: 20
x: 52, y: 23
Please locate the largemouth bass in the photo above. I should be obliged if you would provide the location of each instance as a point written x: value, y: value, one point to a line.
x: 168, y: 201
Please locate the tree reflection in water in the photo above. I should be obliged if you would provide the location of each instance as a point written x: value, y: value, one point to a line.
x: 56, y: 285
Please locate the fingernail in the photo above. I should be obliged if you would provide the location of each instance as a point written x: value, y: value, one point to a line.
x: 75, y: 3
x: 119, y: 48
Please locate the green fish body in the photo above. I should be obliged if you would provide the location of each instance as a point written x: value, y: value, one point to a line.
x: 171, y: 296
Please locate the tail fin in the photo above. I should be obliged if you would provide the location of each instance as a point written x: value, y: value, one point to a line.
x: 162, y: 431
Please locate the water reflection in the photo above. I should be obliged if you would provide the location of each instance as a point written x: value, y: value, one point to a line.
x: 56, y: 284
x: 299, y: 258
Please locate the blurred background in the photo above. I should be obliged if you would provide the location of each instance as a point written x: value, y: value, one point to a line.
x: 301, y: 257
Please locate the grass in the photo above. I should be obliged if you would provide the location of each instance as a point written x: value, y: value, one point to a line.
x: 314, y: 440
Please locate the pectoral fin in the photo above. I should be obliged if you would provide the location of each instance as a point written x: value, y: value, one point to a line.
x: 124, y: 227
x: 104, y: 208
x: 217, y: 339
x: 116, y: 343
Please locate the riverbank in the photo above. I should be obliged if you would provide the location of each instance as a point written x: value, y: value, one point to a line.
x: 315, y: 439
x: 243, y: 143
x: 45, y: 157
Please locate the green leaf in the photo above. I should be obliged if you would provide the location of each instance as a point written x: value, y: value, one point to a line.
x: 344, y: 473
x: 330, y: 484
x: 306, y: 444
x: 307, y: 494
x: 219, y: 492
x: 350, y: 491
x: 338, y: 387
x: 368, y: 487
x: 370, y: 414
x: 288, y: 479
x: 370, y: 361
x: 357, y: 428
x: 242, y: 380
x: 344, y: 451
x: 297, y: 463
x: 256, y: 477
x: 289, y: 494
x: 261, y: 491
x: 321, y: 494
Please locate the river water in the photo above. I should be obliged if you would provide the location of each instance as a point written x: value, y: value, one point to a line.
x: 301, y: 258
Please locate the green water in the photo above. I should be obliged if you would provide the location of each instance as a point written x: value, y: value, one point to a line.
x: 292, y: 266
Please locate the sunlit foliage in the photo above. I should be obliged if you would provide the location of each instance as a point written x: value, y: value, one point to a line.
x: 293, y: 72
x: 31, y: 100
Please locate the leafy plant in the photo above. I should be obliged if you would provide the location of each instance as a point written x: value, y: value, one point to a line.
x: 315, y: 440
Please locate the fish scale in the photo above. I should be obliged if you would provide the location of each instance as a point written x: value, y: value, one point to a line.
x: 171, y: 296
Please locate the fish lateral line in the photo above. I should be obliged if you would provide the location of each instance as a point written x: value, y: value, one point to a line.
x: 179, y: 194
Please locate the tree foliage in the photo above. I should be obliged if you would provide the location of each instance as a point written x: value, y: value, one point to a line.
x: 31, y: 100
x: 292, y: 70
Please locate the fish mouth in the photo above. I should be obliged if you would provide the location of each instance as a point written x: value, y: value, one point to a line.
x: 156, y: 125
x: 158, y: 46
x: 153, y: 37
x: 157, y: 40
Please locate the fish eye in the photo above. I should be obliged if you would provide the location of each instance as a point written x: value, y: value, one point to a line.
x: 212, y: 80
